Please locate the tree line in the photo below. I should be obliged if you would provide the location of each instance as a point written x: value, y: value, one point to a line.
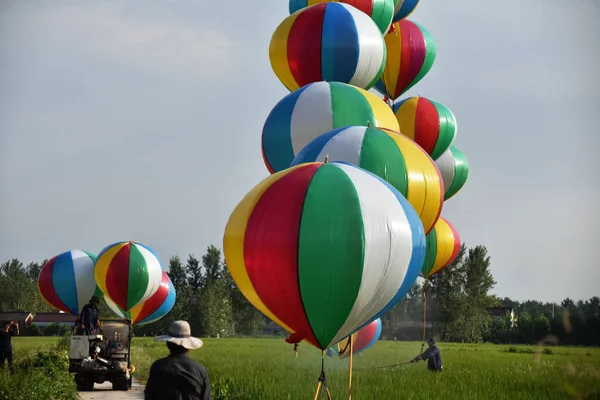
x: 456, y: 302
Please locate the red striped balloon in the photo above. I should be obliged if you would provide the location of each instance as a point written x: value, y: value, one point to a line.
x: 410, y: 55
x: 128, y: 273
x: 429, y: 123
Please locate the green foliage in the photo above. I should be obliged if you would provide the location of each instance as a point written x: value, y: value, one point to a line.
x: 42, y: 374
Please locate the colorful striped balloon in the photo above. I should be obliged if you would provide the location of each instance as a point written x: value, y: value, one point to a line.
x: 365, y: 338
x: 404, y: 8
x: 454, y: 167
x: 313, y: 110
x: 410, y: 55
x: 324, y: 249
x: 128, y: 273
x: 429, y: 123
x: 66, y: 282
x: 389, y: 155
x: 380, y: 11
x: 152, y: 309
x: 443, y: 244
x: 327, y: 42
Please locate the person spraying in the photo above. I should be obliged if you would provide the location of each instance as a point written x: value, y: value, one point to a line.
x: 432, y: 355
x: 7, y: 331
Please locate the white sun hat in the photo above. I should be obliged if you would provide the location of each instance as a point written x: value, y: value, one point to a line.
x: 180, y: 334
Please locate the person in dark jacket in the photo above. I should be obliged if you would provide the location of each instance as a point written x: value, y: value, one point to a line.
x: 178, y: 377
x: 432, y: 355
x: 7, y: 331
x: 90, y: 317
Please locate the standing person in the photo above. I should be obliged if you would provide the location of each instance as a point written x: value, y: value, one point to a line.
x: 90, y: 317
x: 7, y: 331
x: 178, y: 377
x: 432, y: 355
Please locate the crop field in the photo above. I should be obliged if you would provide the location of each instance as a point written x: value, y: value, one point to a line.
x: 267, y: 369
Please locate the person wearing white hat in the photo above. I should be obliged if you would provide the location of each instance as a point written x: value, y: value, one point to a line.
x: 177, y: 376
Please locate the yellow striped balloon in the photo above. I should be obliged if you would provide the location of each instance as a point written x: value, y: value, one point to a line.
x: 128, y: 273
x: 443, y: 244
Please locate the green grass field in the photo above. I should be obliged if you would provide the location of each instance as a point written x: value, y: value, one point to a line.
x: 267, y: 369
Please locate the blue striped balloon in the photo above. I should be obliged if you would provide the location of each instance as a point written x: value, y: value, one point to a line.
x: 66, y: 282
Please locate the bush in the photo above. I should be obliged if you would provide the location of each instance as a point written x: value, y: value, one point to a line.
x: 41, y: 375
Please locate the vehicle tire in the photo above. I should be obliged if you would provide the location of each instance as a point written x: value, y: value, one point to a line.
x: 120, y: 384
x: 84, y: 384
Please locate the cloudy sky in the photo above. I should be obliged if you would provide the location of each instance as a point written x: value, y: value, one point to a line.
x: 123, y: 121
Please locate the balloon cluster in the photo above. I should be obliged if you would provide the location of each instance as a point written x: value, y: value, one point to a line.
x: 128, y: 275
x: 350, y: 216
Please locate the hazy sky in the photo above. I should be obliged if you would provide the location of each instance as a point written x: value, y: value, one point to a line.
x: 131, y: 120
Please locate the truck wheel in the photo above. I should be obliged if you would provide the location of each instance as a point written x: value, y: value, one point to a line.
x: 120, y: 384
x: 84, y: 384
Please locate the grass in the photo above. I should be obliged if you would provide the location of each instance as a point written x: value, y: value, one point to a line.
x: 267, y: 369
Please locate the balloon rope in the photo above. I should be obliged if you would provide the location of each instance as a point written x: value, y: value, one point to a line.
x: 350, y: 369
x: 424, y: 314
x: 322, y: 380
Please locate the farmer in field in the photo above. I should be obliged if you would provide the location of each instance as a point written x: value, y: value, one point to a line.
x: 8, y: 330
x: 178, y: 377
x: 90, y: 317
x: 432, y: 355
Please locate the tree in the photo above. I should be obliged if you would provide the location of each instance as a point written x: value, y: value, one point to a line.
x: 177, y: 273
x: 446, y: 294
x: 194, y: 274
x: 211, y: 262
x: 478, y: 282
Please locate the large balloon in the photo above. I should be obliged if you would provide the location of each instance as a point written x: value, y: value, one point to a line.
x: 429, y: 123
x: 66, y: 281
x: 380, y: 11
x: 454, y: 168
x: 152, y: 309
x: 404, y: 8
x: 389, y: 155
x: 128, y: 273
x: 443, y: 244
x: 327, y: 42
x: 410, y: 55
x: 313, y: 110
x: 362, y: 340
x: 324, y: 249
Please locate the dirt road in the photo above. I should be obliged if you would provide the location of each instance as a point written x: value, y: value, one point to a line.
x: 104, y: 392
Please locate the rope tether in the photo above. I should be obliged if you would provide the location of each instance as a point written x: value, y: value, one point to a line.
x: 322, y: 385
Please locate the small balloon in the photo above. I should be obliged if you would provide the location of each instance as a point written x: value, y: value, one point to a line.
x: 365, y: 338
x: 429, y: 123
x: 66, y: 282
x: 411, y: 52
x: 327, y: 42
x: 443, y: 244
x: 454, y: 167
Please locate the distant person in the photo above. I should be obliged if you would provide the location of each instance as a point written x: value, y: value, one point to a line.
x: 8, y: 330
x: 432, y: 355
x: 90, y: 317
x: 177, y: 376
